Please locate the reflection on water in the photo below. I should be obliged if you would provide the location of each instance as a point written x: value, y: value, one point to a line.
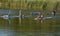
x: 15, y: 30
x: 7, y: 29
x: 6, y: 32
x: 12, y: 29
x: 29, y: 27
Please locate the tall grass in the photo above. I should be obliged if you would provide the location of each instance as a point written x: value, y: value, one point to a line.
x: 25, y: 5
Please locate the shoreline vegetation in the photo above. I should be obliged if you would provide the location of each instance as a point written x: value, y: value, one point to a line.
x: 29, y: 5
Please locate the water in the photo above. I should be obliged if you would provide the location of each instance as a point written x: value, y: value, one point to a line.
x: 29, y: 27
x: 6, y: 32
